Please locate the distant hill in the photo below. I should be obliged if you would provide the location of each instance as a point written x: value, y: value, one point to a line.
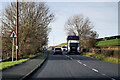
x: 111, y: 42
x: 106, y: 41
x: 62, y: 44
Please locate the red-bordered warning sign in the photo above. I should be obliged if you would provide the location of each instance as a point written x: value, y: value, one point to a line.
x: 13, y: 34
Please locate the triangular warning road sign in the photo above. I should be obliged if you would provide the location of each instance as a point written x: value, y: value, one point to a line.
x: 13, y: 34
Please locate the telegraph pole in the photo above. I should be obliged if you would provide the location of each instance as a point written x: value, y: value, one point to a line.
x: 17, y: 20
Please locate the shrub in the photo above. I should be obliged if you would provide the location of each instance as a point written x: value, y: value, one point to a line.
x: 107, y: 52
x: 83, y: 50
x: 97, y: 51
x: 116, y: 54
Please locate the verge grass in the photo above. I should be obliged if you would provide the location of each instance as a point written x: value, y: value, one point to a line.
x: 8, y: 64
x: 4, y: 65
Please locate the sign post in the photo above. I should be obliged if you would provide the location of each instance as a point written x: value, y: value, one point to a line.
x: 13, y: 35
x: 13, y: 50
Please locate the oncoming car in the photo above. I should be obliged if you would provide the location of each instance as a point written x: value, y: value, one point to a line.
x: 57, y: 50
x: 64, y: 48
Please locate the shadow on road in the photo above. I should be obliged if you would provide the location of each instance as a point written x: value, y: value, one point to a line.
x: 70, y: 79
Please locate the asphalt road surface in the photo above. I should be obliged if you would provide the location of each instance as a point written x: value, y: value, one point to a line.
x: 75, y: 67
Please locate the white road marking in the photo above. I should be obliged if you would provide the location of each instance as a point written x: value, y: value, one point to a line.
x: 67, y: 55
x: 71, y: 58
x: 112, y: 78
x: 84, y: 64
x: 103, y: 74
x: 95, y: 70
x: 79, y: 62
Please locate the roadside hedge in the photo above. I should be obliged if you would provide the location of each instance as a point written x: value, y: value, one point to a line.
x: 109, y: 53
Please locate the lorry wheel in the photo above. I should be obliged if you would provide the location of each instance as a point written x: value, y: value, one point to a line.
x: 68, y: 53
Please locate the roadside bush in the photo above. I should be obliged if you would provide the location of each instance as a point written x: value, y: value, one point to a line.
x: 100, y: 57
x: 90, y: 50
x: 85, y: 50
x: 97, y: 51
x: 116, y: 54
x: 107, y: 52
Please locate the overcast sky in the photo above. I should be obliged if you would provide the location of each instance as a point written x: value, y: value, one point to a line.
x: 104, y: 16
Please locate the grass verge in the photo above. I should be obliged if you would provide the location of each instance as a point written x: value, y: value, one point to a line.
x: 4, y: 65
x: 102, y: 57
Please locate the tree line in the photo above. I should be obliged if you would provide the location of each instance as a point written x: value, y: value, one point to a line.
x: 82, y: 26
x: 34, y: 20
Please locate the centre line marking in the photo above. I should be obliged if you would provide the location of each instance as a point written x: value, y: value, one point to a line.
x: 71, y: 58
x: 112, y: 78
x: 84, y: 64
x: 79, y: 62
x: 95, y: 70
x: 66, y: 55
x: 103, y: 74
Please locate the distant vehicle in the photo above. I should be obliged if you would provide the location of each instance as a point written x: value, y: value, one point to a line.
x: 45, y: 49
x: 57, y: 50
x: 73, y: 44
x: 64, y: 48
x: 52, y: 48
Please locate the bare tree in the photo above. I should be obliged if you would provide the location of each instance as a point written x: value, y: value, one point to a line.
x: 34, y: 20
x: 81, y: 26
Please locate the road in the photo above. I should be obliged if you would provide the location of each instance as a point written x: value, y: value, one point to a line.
x: 75, y: 67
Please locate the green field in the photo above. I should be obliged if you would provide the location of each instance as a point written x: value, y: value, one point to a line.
x: 109, y: 42
x: 102, y: 43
